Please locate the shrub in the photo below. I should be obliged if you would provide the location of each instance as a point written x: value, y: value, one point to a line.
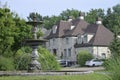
x: 22, y: 58
x: 47, y: 60
x: 6, y: 63
x: 82, y: 57
x: 21, y: 61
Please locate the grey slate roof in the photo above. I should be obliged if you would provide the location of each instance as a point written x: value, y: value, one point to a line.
x: 63, y: 28
x: 102, y: 36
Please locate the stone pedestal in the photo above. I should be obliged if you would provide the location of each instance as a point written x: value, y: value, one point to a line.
x: 34, y: 65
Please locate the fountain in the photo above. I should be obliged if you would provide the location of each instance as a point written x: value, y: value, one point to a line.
x: 34, y: 65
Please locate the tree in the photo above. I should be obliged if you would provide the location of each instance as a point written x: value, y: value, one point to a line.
x: 112, y: 18
x: 115, y: 45
x: 7, y: 30
x: 13, y: 31
x: 93, y: 14
x: 23, y: 31
x: 49, y: 22
x: 33, y: 14
x: 74, y: 13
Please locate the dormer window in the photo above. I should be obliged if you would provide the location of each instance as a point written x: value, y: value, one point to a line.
x: 81, y: 16
x: 80, y: 39
x: 54, y: 29
x: 72, y: 27
x: 98, y: 20
x: 70, y: 18
x: 85, y: 38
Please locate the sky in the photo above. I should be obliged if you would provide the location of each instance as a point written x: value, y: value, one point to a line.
x: 55, y: 7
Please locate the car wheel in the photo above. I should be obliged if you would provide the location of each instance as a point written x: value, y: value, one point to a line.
x: 93, y: 65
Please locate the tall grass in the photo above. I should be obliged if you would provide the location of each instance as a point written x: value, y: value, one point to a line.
x: 113, y: 67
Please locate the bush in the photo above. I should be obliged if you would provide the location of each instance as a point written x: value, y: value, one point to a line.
x: 21, y: 61
x: 82, y: 57
x: 47, y: 60
x: 6, y: 63
x: 22, y: 58
x: 113, y: 66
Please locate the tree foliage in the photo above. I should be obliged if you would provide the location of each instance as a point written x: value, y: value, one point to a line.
x: 33, y: 15
x: 115, y: 45
x: 50, y: 21
x: 69, y: 12
x: 93, y: 14
x: 112, y: 18
x: 13, y: 31
x: 7, y: 30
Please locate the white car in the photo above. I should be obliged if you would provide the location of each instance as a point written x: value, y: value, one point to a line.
x: 94, y: 62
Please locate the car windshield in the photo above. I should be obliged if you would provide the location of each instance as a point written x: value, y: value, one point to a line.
x: 97, y: 60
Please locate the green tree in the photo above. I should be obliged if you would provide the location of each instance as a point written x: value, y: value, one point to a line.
x: 23, y: 31
x: 93, y: 14
x: 70, y: 12
x: 50, y: 21
x: 13, y: 31
x: 115, y: 45
x: 112, y: 18
x: 33, y: 15
x: 7, y: 30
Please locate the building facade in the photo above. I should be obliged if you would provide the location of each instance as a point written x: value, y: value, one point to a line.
x: 68, y: 38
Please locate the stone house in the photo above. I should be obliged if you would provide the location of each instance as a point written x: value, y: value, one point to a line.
x: 67, y: 38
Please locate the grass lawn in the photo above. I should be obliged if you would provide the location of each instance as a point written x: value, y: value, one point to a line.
x: 92, y: 76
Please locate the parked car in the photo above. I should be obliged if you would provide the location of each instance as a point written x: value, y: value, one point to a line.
x: 65, y: 63
x: 94, y: 62
x: 62, y: 62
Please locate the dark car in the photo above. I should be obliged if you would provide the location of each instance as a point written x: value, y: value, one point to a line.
x: 63, y: 63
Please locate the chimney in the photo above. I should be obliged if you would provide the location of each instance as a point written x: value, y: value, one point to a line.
x: 81, y: 15
x: 98, y: 20
x: 70, y: 18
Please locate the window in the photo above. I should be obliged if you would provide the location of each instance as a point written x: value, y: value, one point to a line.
x: 54, y: 29
x: 49, y: 43
x: 54, y: 52
x: 53, y: 41
x: 103, y: 55
x: 65, y: 53
x: 61, y: 55
x: 69, y: 52
x: 67, y: 40
x: 85, y: 38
